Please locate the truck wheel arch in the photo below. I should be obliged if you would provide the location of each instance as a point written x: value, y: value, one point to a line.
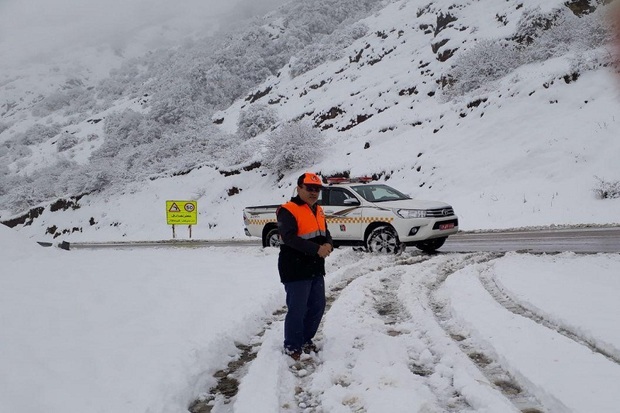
x: 382, y: 237
x: 374, y: 225
x: 268, y: 232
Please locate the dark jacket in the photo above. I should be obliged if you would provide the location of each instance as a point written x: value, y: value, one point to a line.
x: 298, y: 258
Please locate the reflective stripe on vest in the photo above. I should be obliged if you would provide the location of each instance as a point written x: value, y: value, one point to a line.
x: 308, y: 224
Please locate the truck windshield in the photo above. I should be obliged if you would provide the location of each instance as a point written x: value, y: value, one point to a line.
x: 379, y: 193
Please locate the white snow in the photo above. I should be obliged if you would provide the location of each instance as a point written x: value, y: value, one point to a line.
x: 567, y: 375
x: 145, y: 330
x: 113, y: 331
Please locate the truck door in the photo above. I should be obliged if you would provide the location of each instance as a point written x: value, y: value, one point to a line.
x: 344, y: 216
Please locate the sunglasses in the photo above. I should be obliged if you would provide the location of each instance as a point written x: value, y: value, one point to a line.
x: 313, y: 188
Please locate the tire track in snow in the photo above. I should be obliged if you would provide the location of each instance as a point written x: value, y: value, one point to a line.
x: 221, y: 396
x: 501, y: 378
x: 511, y: 304
x: 422, y: 363
x: 381, y: 301
x: 307, y: 401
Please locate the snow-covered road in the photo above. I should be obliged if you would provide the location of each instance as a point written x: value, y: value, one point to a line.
x: 420, y: 333
x: 167, y: 330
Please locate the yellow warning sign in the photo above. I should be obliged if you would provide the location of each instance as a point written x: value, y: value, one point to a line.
x: 182, y: 212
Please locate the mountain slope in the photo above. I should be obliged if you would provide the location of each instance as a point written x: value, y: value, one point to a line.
x: 528, y: 145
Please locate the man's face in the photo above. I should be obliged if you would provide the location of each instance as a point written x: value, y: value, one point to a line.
x: 309, y: 193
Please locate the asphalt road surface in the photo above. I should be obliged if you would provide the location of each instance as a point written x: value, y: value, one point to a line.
x: 582, y: 240
x: 586, y: 240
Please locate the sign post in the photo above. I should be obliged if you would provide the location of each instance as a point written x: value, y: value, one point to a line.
x: 181, y: 213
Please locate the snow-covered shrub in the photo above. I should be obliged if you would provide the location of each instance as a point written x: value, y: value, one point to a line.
x: 560, y: 32
x: 4, y: 174
x: 55, y: 101
x: 66, y: 141
x: 563, y: 24
x: 178, y: 102
x: 94, y: 177
x: 487, y: 61
x: 329, y: 48
x: 135, y: 147
x: 292, y: 146
x: 607, y: 189
x: 53, y: 181
x: 122, y: 125
x: 538, y: 37
x: 19, y: 151
x: 593, y: 30
x: 243, y: 153
x: 533, y: 23
x: 121, y: 81
x: 82, y: 101
x: 73, y: 100
x: 4, y: 126
x: 128, y: 128
x: 255, y: 120
x: 190, y: 148
x: 22, y: 199
x: 38, y: 133
x: 24, y: 192
x: 584, y: 62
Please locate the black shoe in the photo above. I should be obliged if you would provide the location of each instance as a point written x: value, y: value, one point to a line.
x: 294, y: 354
x: 309, y: 348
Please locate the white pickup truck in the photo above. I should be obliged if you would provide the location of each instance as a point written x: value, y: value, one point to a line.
x: 373, y: 215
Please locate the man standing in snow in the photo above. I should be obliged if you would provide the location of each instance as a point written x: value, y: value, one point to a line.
x: 305, y: 244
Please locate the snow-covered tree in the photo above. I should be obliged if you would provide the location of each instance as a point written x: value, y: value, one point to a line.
x: 606, y: 189
x: 256, y: 119
x: 75, y: 99
x: 292, y: 146
x: 539, y: 36
x: 487, y: 61
x: 329, y: 48
x: 179, y: 89
x: 66, y: 141
x: 38, y: 133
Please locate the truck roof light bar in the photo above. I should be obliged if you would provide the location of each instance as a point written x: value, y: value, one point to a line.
x: 340, y: 180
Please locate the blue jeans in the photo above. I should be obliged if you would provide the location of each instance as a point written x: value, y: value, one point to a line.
x: 306, y: 304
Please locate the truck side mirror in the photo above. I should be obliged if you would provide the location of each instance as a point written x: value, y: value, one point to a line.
x: 351, y: 201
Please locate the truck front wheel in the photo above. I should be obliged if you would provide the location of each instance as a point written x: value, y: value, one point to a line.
x: 272, y: 238
x: 384, y: 240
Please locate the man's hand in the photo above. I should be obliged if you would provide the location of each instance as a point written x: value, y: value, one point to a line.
x: 325, y: 250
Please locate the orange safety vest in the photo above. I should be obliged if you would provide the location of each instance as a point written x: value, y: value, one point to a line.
x: 309, y: 225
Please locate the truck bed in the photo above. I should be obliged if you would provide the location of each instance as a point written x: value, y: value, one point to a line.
x: 260, y: 207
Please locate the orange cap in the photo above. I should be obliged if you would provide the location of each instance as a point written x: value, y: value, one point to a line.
x: 310, y: 178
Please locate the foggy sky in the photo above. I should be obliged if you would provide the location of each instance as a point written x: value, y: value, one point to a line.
x: 40, y: 29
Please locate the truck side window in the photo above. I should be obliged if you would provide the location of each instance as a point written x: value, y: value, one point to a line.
x: 337, y: 196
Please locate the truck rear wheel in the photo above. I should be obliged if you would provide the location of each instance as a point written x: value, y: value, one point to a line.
x: 272, y: 238
x: 431, y: 245
x: 384, y: 240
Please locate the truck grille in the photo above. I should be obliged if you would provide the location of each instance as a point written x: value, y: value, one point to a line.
x: 440, y: 212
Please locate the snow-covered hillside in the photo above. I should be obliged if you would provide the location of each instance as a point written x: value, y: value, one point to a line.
x: 504, y: 109
x: 528, y: 147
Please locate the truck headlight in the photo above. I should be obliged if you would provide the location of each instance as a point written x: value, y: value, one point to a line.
x: 410, y: 213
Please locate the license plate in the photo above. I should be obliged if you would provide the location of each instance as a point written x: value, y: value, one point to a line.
x: 446, y: 226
